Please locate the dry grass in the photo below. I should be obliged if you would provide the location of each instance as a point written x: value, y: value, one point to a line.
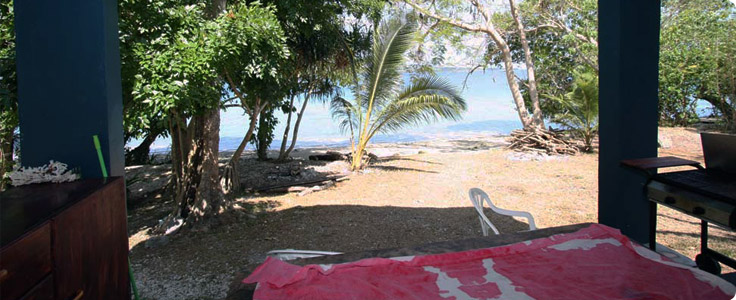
x: 401, y: 201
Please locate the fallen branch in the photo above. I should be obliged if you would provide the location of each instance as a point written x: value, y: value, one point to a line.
x: 285, y: 187
x: 542, y: 141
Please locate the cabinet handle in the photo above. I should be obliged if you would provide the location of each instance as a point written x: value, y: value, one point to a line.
x: 3, y: 275
x: 79, y: 296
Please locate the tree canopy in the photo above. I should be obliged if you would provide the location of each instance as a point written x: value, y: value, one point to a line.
x: 697, y: 59
x: 173, y: 57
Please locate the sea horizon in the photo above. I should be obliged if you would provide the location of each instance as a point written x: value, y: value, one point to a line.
x: 491, y: 112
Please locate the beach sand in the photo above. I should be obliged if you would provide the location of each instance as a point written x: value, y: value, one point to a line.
x: 414, y: 194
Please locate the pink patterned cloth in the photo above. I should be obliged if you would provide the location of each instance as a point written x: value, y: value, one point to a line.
x: 596, y: 262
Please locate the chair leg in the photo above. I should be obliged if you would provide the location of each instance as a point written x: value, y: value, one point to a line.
x: 483, y: 226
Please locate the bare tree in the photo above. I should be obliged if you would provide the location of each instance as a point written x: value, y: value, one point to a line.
x: 485, y: 24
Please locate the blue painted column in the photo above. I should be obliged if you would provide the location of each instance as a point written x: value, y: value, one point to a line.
x: 69, y: 88
x: 628, y: 37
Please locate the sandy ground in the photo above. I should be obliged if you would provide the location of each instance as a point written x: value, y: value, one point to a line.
x: 415, y: 194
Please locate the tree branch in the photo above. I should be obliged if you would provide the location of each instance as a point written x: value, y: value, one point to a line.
x: 453, y: 22
x: 426, y: 33
x: 521, y: 80
x: 230, y: 99
x: 587, y: 59
x: 483, y: 11
x: 237, y: 92
x: 561, y: 26
x: 540, y: 27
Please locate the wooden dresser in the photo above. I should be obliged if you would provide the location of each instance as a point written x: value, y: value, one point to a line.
x: 65, y: 241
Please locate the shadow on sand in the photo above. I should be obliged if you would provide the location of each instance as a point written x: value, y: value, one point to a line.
x: 241, y: 245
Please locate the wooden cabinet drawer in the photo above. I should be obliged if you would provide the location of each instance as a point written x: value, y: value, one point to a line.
x: 42, y: 291
x: 81, y: 233
x: 25, y: 262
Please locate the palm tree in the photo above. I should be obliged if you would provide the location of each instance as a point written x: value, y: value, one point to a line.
x: 580, y: 108
x: 381, y: 104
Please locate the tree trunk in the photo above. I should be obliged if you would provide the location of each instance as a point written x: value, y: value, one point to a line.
x: 177, y: 129
x: 727, y: 111
x: 248, y: 135
x: 194, y: 161
x: 215, y: 8
x: 195, y: 152
x: 537, y: 118
x: 489, y: 29
x: 284, y: 139
x: 296, y: 125
x: 6, y: 155
x: 262, y: 136
x: 206, y: 199
x: 508, y: 63
x: 140, y: 155
x: 231, y: 175
x: 357, y: 159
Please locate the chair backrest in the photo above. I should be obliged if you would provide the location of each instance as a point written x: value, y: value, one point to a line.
x: 478, y: 196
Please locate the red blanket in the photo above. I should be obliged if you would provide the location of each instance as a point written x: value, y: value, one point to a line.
x: 597, y: 262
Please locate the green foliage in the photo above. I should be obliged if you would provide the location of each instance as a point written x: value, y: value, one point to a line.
x: 326, y: 39
x: 174, y: 57
x: 146, y: 29
x: 697, y: 53
x: 560, y: 36
x: 251, y: 51
x: 8, y: 83
x: 381, y: 104
x: 8, y: 91
x: 580, y: 108
x: 697, y: 59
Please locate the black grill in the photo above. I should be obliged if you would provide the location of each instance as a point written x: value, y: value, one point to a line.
x: 719, y: 186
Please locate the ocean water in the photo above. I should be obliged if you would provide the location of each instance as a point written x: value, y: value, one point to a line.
x: 490, y: 112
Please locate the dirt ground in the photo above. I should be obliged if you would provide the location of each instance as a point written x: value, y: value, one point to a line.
x: 415, y: 194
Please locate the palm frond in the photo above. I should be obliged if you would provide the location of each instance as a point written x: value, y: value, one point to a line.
x: 427, y: 100
x: 380, y: 104
x: 382, y: 73
x: 580, y: 107
x: 345, y: 112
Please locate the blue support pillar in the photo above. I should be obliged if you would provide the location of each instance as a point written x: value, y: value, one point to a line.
x: 628, y: 34
x: 69, y: 88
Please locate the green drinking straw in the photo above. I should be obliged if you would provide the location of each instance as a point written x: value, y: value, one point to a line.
x: 104, y: 175
x: 99, y: 155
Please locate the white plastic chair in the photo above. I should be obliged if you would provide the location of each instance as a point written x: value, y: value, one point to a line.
x: 289, y: 254
x: 478, y: 196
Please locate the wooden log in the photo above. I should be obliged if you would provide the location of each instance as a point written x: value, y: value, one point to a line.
x: 329, y: 156
x: 285, y: 187
x: 305, y: 192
